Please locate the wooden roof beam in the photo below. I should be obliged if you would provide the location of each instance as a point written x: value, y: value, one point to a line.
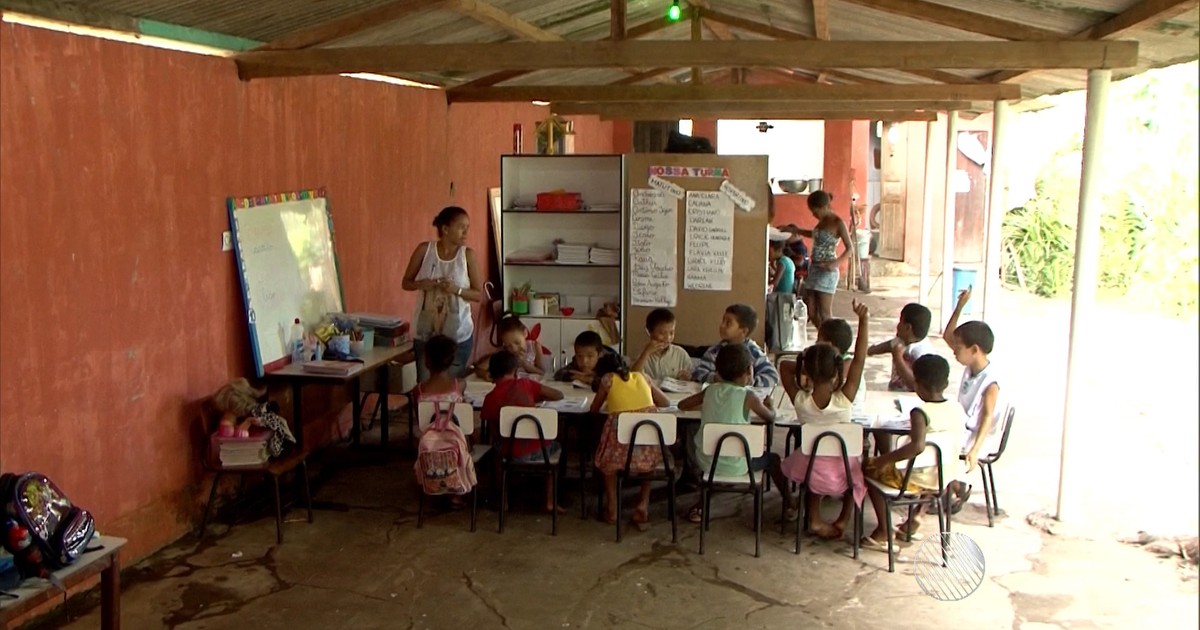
x: 705, y: 108
x: 505, y: 21
x: 749, y: 93
x: 960, y: 19
x: 820, y: 9
x: 642, y: 76
x: 1140, y: 15
x: 642, y: 113
x: 349, y: 25
x: 752, y: 26
x: 616, y: 20
x: 631, y: 54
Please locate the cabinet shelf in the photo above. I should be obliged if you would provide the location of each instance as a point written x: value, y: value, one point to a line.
x: 558, y: 264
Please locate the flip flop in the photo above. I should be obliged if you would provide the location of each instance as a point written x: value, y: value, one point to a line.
x: 960, y: 499
x: 870, y: 543
x: 695, y: 514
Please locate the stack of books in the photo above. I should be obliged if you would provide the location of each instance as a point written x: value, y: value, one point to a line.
x: 233, y: 452
x: 603, y: 256
x: 392, y: 336
x: 569, y: 254
x: 332, y: 368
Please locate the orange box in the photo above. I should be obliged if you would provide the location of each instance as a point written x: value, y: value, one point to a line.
x: 559, y: 201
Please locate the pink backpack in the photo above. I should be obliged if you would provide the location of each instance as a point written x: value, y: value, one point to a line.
x: 444, y: 464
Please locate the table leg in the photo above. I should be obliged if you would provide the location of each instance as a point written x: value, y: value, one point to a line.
x: 384, y: 403
x: 355, y: 411
x: 110, y: 595
x: 297, y: 416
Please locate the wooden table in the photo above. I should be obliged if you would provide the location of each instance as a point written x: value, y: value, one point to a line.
x: 104, y: 561
x: 376, y: 360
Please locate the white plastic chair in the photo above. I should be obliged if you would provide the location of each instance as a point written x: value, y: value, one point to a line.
x: 733, y: 440
x: 652, y: 430
x: 843, y: 440
x: 530, y: 423
x: 464, y: 416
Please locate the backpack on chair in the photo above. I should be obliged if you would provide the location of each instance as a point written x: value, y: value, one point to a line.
x: 43, y: 530
x: 444, y: 464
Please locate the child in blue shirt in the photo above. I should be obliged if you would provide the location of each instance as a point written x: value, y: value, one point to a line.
x: 737, y: 323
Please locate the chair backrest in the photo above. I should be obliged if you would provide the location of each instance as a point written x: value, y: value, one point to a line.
x: 754, y: 434
x: 526, y: 429
x: 463, y: 412
x: 646, y: 434
x: 1008, y: 421
x: 818, y: 435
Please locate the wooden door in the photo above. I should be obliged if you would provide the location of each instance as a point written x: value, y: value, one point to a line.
x: 893, y: 193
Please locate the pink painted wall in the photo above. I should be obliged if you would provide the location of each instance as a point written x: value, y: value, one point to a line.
x: 117, y: 304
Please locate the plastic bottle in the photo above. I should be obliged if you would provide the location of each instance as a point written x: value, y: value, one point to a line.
x: 562, y: 361
x: 296, y: 341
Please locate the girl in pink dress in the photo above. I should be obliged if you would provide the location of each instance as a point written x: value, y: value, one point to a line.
x: 826, y: 398
x: 442, y: 386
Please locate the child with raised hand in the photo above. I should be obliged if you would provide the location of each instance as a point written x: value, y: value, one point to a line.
x: 619, y: 390
x: 441, y: 386
x: 514, y: 390
x: 827, y: 400
x: 935, y: 415
x: 909, y: 344
x: 979, y: 393
x: 728, y: 401
x: 514, y: 338
x: 661, y: 358
x: 736, y: 325
x: 589, y: 349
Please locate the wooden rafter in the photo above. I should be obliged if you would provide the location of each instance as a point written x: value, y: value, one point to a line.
x: 642, y: 76
x: 1140, y: 15
x: 505, y: 21
x: 709, y: 107
x: 641, y: 30
x: 942, y: 76
x: 642, y: 112
x: 628, y: 54
x: 616, y: 20
x: 685, y: 93
x: 752, y: 26
x: 960, y: 19
x: 349, y: 25
x: 820, y: 9
x: 697, y: 36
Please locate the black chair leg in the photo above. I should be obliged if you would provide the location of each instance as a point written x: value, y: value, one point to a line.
x: 620, y: 488
x: 891, y: 536
x: 908, y: 525
x: 992, y: 482
x: 758, y: 501
x: 554, y: 504
x: 278, y: 511
x: 474, y: 506
x: 703, y: 515
x: 307, y: 490
x: 671, y: 507
x: 857, y: 527
x: 212, y: 495
x: 708, y: 509
x: 503, y: 496
x: 800, y: 516
x: 420, y: 508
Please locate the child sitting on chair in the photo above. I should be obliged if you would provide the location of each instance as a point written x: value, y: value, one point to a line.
x: 737, y: 324
x: 909, y: 344
x: 514, y: 338
x: 935, y: 415
x: 728, y: 401
x: 661, y: 358
x: 441, y: 386
x: 589, y: 349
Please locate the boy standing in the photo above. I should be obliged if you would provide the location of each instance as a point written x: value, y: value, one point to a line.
x: 907, y: 346
x: 737, y: 323
x: 979, y: 393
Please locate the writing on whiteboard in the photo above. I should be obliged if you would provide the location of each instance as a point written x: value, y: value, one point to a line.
x: 708, y: 260
x: 652, y: 248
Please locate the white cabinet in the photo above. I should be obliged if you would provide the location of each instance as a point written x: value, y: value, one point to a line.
x: 525, y: 231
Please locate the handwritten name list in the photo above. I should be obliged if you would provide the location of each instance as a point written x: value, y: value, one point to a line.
x: 652, y: 248
x: 708, y: 264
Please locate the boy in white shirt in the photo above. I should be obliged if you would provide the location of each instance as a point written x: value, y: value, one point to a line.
x: 909, y: 344
x: 661, y: 358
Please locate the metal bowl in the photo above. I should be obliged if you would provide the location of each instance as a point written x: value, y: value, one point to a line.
x: 814, y: 185
x: 793, y: 185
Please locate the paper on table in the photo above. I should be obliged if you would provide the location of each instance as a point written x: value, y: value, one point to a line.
x: 581, y: 385
x: 568, y: 405
x: 907, y: 403
x: 653, y: 243
x: 884, y: 421
x: 708, y: 262
x: 676, y: 386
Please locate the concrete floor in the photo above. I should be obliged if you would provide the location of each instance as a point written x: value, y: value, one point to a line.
x: 370, y: 567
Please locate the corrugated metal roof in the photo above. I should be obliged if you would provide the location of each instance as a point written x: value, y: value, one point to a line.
x: 1170, y: 42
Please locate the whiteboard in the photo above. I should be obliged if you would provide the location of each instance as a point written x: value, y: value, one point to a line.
x: 285, y: 254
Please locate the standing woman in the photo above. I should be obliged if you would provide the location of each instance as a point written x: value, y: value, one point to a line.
x: 822, y: 280
x: 446, y: 274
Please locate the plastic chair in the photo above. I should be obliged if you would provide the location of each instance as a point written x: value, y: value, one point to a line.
x: 648, y: 429
x: 936, y: 445
x: 534, y: 423
x: 464, y: 416
x: 985, y: 469
x: 273, y: 469
x: 733, y: 440
x: 844, y: 440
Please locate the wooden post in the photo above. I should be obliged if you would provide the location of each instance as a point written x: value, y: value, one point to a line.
x: 997, y: 206
x: 1087, y: 273
x: 926, y: 218
x: 697, y: 35
x: 948, y: 297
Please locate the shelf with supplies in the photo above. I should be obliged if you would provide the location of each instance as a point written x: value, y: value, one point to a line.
x: 589, y: 246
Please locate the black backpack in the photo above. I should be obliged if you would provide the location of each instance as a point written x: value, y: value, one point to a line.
x: 43, y: 530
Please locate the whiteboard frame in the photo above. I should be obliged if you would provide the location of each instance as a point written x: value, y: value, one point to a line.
x: 232, y: 205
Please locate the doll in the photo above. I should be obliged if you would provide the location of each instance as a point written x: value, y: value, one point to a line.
x: 241, y: 410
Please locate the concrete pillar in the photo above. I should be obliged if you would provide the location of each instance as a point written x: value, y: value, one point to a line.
x: 948, y: 297
x: 997, y: 205
x: 926, y: 218
x: 1083, y: 295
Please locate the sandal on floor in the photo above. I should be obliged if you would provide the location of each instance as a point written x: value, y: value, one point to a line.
x: 791, y: 515
x: 695, y: 514
x: 960, y: 499
x: 870, y: 543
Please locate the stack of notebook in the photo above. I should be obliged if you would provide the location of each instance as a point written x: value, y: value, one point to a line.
x: 333, y: 368
x: 234, y: 452
x: 604, y: 256
x: 569, y: 254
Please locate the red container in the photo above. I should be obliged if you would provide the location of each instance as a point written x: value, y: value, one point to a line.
x: 559, y: 201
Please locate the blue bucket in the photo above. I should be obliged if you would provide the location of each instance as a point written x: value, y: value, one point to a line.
x: 963, y: 278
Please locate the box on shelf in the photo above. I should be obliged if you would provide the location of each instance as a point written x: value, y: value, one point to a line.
x: 559, y: 201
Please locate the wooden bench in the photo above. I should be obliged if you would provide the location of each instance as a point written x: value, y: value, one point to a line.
x: 103, y: 561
